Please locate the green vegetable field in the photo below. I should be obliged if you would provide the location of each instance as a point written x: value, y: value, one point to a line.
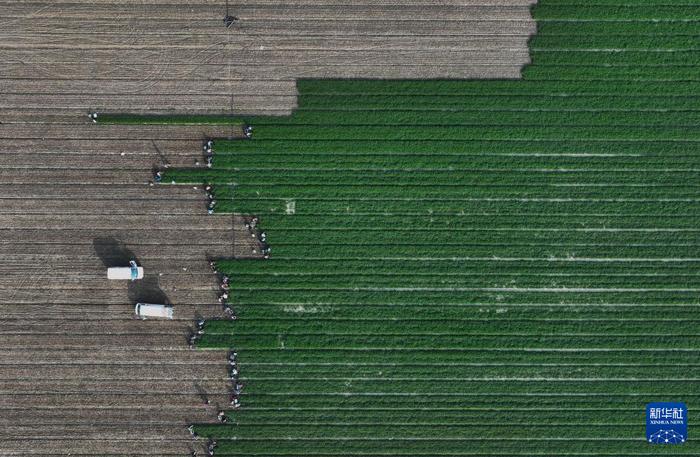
x: 490, y: 268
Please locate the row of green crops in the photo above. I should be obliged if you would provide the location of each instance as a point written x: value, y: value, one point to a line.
x: 473, y: 268
x: 334, y: 443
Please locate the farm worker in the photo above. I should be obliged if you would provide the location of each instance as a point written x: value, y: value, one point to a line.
x: 248, y: 131
x: 192, y: 432
x: 235, y: 402
x: 93, y: 116
x: 200, y: 323
x: 229, y: 20
x: 134, y: 270
x: 158, y: 177
x: 209, y: 161
x: 222, y: 417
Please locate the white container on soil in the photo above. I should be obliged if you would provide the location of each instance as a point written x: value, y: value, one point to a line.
x: 132, y: 272
x: 146, y: 310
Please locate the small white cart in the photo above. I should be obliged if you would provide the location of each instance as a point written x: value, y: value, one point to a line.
x: 132, y: 272
x: 146, y: 310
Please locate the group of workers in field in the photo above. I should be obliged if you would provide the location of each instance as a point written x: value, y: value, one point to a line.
x: 224, y: 288
x: 234, y: 401
x: 207, y: 147
x: 211, y: 445
x: 236, y: 386
x: 261, y: 237
x: 211, y: 201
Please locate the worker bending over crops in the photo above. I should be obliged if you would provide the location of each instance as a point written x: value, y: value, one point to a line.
x: 210, y: 447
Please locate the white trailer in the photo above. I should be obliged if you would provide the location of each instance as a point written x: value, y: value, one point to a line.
x: 132, y: 272
x: 146, y: 310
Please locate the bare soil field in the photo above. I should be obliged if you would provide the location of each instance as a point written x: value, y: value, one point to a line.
x: 78, y: 374
x: 177, y: 56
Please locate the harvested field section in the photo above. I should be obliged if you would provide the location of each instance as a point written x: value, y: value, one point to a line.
x: 78, y: 374
x: 474, y: 267
x: 67, y: 57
